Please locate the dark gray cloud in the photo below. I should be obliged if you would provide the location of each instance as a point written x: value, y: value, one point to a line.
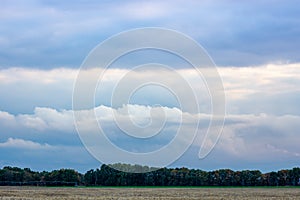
x: 47, y: 34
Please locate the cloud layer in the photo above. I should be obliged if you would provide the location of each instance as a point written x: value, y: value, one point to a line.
x: 261, y: 127
x: 256, y: 139
x: 52, y: 34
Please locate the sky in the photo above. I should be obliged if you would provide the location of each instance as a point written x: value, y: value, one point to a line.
x: 254, y: 44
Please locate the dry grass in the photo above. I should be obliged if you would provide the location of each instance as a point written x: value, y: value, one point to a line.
x: 44, y: 193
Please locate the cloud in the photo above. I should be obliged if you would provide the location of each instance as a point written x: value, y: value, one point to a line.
x: 48, y: 119
x: 45, y: 77
x: 24, y: 144
x: 261, y: 127
x: 52, y: 34
x: 263, y: 79
x: 42, y: 119
x: 7, y: 118
x: 265, y: 89
x: 262, y: 99
x: 261, y: 137
x: 246, y: 138
x: 268, y: 88
x: 264, y: 142
x: 42, y: 156
x: 24, y: 89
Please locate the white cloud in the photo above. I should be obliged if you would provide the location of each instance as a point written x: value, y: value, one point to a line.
x: 43, y: 119
x: 254, y: 137
x: 271, y: 89
x: 36, y: 76
x: 7, y: 118
x: 24, y: 144
x: 241, y: 82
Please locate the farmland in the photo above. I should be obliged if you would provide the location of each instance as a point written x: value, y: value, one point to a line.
x: 49, y: 193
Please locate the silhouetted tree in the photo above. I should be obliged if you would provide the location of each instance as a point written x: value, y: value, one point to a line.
x: 107, y: 176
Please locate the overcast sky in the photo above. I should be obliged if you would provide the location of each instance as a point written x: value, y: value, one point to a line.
x: 255, y: 45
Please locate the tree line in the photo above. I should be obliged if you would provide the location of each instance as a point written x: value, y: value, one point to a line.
x: 108, y: 176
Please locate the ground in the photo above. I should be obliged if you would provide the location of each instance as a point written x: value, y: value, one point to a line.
x: 48, y: 193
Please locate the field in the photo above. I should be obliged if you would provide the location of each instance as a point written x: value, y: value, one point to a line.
x: 46, y: 193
